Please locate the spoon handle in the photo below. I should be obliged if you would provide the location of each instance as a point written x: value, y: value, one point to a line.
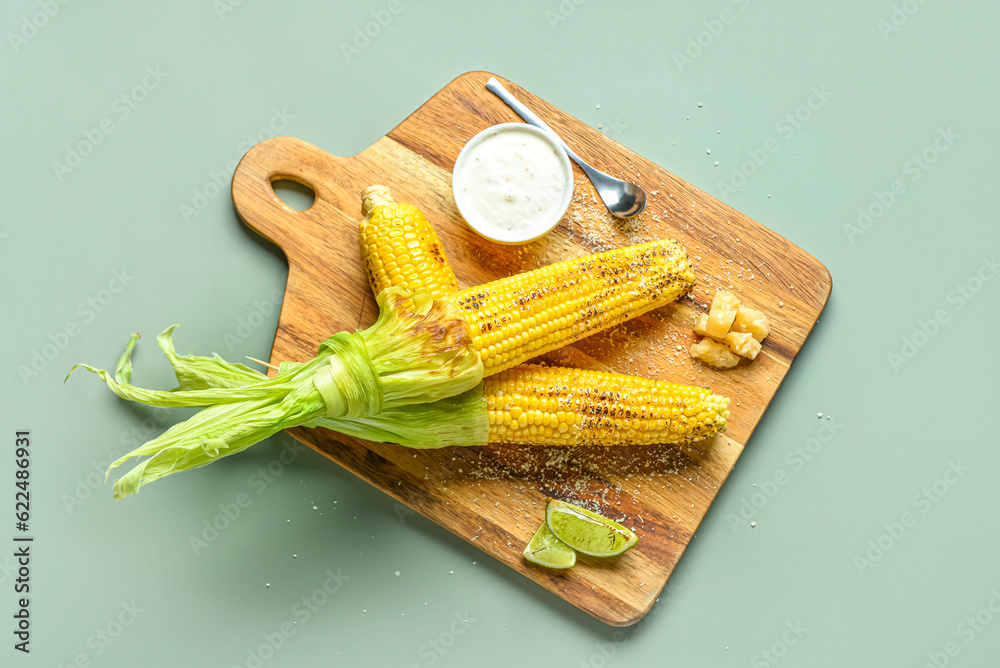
x: 529, y: 116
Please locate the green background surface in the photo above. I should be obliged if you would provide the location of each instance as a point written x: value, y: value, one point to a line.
x: 829, y: 576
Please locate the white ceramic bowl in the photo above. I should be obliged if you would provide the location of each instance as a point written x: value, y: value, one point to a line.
x: 532, y: 225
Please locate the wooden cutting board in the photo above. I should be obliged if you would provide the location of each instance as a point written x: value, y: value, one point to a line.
x: 494, y: 496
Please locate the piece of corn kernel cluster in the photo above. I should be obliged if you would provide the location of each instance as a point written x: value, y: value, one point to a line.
x: 731, y: 331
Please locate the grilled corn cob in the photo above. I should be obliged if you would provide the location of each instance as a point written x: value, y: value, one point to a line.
x: 399, y: 246
x: 414, y: 377
x: 536, y: 405
x: 519, y: 317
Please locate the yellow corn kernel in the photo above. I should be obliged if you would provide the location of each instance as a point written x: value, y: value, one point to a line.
x: 598, y: 408
x: 399, y: 246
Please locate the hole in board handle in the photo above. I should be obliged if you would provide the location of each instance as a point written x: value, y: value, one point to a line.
x: 293, y: 194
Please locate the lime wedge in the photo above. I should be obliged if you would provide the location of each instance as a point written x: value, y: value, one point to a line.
x: 587, y: 531
x: 545, y: 549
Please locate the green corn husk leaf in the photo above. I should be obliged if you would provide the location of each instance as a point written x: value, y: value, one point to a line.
x: 198, y: 373
x: 459, y: 420
x: 418, y: 351
x: 422, y: 354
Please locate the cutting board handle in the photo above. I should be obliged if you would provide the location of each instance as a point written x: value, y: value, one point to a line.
x: 295, y: 160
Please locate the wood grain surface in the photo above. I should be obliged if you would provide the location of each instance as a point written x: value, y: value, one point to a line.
x: 494, y: 496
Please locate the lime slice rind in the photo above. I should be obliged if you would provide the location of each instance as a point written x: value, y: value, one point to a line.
x: 587, y: 532
x: 544, y: 549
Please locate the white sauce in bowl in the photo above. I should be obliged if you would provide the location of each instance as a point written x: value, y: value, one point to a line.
x: 512, y: 183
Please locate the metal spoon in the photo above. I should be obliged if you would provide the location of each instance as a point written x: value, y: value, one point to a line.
x: 623, y: 199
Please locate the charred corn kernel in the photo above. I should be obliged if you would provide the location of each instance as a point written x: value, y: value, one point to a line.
x: 567, y: 301
x: 399, y: 246
x: 598, y: 408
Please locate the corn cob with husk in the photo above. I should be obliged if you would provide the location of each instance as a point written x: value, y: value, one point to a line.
x: 531, y: 404
x: 383, y: 383
x: 519, y: 317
